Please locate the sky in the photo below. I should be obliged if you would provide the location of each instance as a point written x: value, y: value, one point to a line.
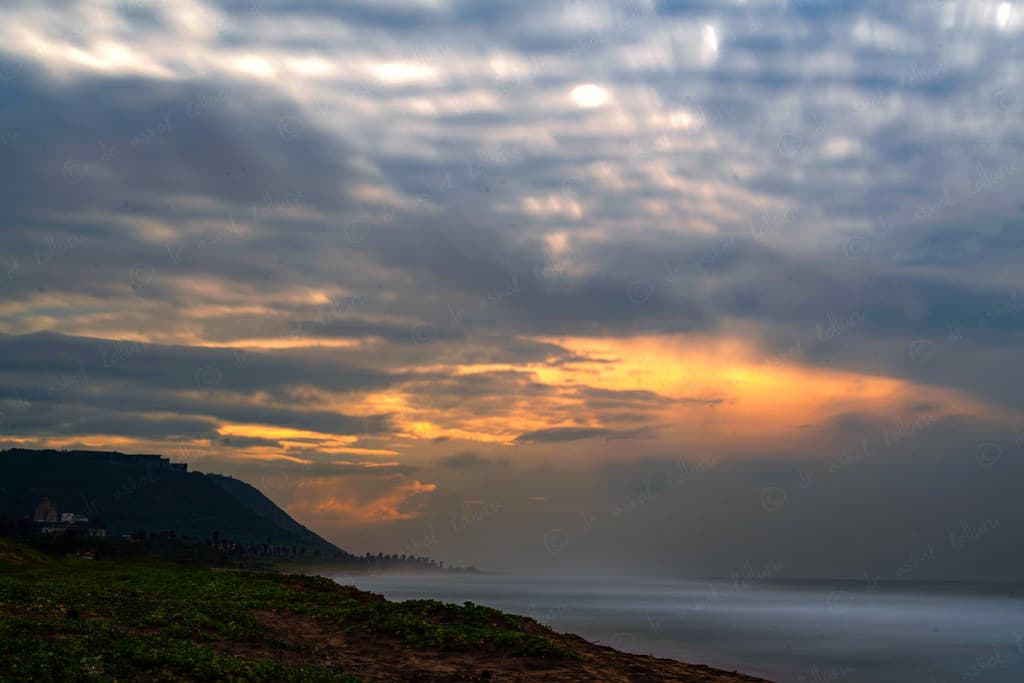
x: 679, y: 288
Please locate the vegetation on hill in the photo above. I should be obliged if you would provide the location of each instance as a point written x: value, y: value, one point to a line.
x: 68, y: 619
x: 16, y: 555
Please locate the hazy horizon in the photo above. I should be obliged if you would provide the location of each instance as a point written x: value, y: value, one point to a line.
x: 650, y: 288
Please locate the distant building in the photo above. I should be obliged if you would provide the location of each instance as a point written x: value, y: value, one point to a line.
x: 72, y: 518
x: 146, y: 460
x: 91, y: 529
x: 46, y: 511
x: 151, y: 460
x: 49, y: 522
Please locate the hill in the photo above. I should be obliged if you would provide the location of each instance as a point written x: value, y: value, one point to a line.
x: 146, y: 493
x: 143, y: 620
x: 254, y: 500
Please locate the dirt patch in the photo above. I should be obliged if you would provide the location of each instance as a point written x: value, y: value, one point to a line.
x: 387, y: 658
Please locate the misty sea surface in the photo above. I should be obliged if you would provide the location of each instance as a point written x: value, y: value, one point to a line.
x: 788, y: 631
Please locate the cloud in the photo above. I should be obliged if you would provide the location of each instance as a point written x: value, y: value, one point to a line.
x: 338, y: 502
x: 57, y: 377
x: 248, y: 442
x: 558, y: 434
x: 466, y: 461
x: 338, y: 236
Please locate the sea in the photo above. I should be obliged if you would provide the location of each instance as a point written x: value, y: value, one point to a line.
x: 785, y: 631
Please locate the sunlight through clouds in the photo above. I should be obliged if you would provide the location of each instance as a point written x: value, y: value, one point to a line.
x: 589, y: 95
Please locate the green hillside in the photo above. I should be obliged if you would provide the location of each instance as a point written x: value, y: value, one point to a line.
x: 133, y: 493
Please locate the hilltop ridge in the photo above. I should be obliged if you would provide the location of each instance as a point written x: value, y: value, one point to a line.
x: 132, y: 493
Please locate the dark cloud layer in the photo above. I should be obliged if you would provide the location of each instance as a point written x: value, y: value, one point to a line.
x: 556, y: 434
x: 397, y: 244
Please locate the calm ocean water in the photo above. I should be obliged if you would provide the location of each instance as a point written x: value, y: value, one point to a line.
x: 791, y: 632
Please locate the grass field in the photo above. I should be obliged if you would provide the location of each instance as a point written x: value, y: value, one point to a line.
x: 71, y: 619
x: 143, y: 619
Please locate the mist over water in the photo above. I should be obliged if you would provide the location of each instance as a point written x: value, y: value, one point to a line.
x: 788, y: 631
